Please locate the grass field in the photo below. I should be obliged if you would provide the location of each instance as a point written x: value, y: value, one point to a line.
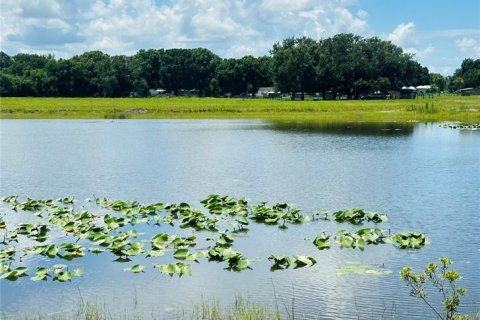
x: 439, y: 108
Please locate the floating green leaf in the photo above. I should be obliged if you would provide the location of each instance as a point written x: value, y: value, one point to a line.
x: 174, y: 269
x: 303, y: 261
x: 358, y: 216
x: 67, y: 200
x: 181, y: 254
x: 77, y: 272
x: 69, y: 251
x: 135, y: 269
x: 322, y: 242
x: 4, y: 268
x: 280, y: 262
x: 14, y: 274
x: 155, y: 253
x: 7, y: 253
x: 95, y: 250
x: 41, y: 274
x: 409, y: 240
x: 9, y: 199
x: 357, y: 268
x: 159, y: 241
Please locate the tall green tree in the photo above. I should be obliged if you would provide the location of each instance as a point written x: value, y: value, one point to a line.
x: 243, y: 76
x: 294, y: 65
x: 468, y: 75
x: 438, y: 80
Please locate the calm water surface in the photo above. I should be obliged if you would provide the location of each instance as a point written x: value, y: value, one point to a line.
x: 425, y: 177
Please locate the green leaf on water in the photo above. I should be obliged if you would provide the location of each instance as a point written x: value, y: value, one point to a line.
x: 14, y: 274
x: 322, y: 242
x: 135, y: 269
x: 242, y: 264
x: 135, y: 249
x: 51, y: 251
x: 155, y: 253
x: 174, y: 269
x: 67, y: 200
x: 4, y: 268
x: 304, y: 261
x: 63, y: 276
x: 57, y: 268
x: 95, y: 250
x: 358, y: 268
x: 242, y: 220
x: 181, y: 254
x: 41, y: 274
x: 159, y: 241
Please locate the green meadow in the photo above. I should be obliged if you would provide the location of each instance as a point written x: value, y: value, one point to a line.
x: 438, y: 108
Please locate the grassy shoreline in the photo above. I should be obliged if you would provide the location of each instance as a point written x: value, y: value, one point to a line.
x: 240, y: 309
x: 439, y: 108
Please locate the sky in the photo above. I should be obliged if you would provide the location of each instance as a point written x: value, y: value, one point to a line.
x: 440, y: 33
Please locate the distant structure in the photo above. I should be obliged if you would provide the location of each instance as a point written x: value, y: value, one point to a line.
x: 157, y: 92
x: 408, y: 92
x: 422, y: 90
x: 267, y: 92
x: 469, y: 91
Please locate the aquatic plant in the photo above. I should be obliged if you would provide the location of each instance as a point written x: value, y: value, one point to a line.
x: 35, y: 231
x: 14, y: 274
x: 358, y: 268
x: 111, y: 232
x: 226, y: 205
x: 358, y: 216
x: 464, y: 126
x: 360, y: 238
x: 135, y: 269
x: 409, y: 240
x: 444, y: 280
x: 284, y: 212
x: 171, y: 269
x: 322, y: 242
x: 281, y: 262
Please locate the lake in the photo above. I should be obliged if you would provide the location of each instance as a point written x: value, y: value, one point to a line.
x: 425, y: 177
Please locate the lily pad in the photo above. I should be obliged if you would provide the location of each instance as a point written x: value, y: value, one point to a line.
x: 358, y: 268
x: 14, y: 274
x: 135, y: 269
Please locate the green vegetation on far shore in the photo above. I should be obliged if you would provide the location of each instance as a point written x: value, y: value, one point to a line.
x: 439, y: 108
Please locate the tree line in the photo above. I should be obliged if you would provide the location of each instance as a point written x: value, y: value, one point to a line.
x: 343, y: 64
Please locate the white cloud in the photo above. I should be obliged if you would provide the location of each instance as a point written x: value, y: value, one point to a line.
x: 346, y: 22
x: 228, y: 27
x: 362, y: 14
x: 402, y: 35
x: 469, y: 46
x: 420, y: 53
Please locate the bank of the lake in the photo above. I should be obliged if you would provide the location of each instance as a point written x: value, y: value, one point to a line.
x: 439, y: 108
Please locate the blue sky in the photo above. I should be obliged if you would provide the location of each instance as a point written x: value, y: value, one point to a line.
x: 439, y: 33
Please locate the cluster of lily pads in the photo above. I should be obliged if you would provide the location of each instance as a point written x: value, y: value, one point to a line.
x: 467, y: 126
x: 112, y: 231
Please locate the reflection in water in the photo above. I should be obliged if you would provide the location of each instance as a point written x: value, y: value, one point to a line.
x: 346, y: 128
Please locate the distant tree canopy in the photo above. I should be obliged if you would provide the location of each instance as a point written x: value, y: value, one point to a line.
x: 468, y: 76
x: 343, y: 64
